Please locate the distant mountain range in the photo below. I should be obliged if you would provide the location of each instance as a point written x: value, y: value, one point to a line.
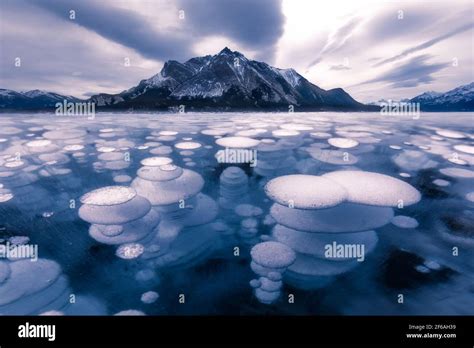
x: 31, y: 100
x: 230, y: 81
x: 458, y: 99
x: 225, y: 81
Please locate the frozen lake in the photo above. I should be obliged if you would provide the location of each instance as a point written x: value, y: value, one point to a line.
x: 158, y: 214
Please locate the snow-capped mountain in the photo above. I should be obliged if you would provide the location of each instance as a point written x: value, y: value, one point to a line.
x: 457, y: 99
x: 30, y: 100
x: 227, y: 80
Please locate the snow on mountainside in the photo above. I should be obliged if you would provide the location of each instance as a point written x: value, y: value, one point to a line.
x: 457, y: 99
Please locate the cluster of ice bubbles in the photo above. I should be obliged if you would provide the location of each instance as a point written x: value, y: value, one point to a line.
x: 160, y: 218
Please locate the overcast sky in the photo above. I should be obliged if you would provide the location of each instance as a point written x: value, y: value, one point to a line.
x: 372, y: 49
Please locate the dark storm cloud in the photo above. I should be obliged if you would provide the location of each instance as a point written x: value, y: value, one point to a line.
x: 410, y: 74
x: 256, y: 25
x: 124, y: 27
x: 427, y: 44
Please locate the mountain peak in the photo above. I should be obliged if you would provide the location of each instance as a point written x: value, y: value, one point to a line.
x: 226, y: 50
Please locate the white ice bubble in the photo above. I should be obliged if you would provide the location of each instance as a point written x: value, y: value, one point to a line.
x: 441, y: 182
x: 305, y: 191
x: 403, y: 221
x: 120, y: 179
x: 130, y: 312
x: 343, y: 143
x: 189, y: 145
x: 450, y: 134
x: 465, y: 148
x: 272, y: 255
x: 39, y: 143
x: 374, y: 188
x: 237, y: 142
x: 109, y: 195
x: 395, y: 147
x: 156, y: 161
x: 73, y: 147
x: 470, y: 196
x: 149, y: 297
x: 296, y: 127
x: 130, y: 251
x: 283, y: 133
x: 457, y: 172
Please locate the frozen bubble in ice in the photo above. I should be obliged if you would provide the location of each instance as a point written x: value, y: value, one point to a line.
x: 168, y: 192
x: 149, y: 297
x: 120, y: 179
x: 395, y: 147
x: 403, y: 221
x: 162, y: 173
x: 5, y: 196
x: 237, y: 142
x: 251, y: 132
x: 270, y: 285
x: 130, y: 251
x: 456, y: 160
x: 386, y: 132
x: 106, y: 149
x: 73, y: 147
x: 19, y: 240
x: 156, y: 161
x: 457, y: 172
x: 450, y: 134
x: 111, y: 156
x: 161, y: 150
x: 10, y: 130
x: 413, y: 160
x: 254, y: 283
x: 422, y: 269
x: 470, y: 196
x: 343, y: 218
x: 266, y: 296
x: 433, y: 265
x: 305, y: 191
x: 404, y: 175
x: 343, y: 143
x: 275, y: 276
x: 189, y: 145
x: 216, y: 131
x: 283, y: 133
x: 39, y: 143
x: 130, y: 312
x: 168, y: 133
x: 441, y: 182
x: 109, y: 195
x: 107, y: 130
x: 111, y: 230
x: 465, y: 148
x: 248, y: 210
x: 374, y: 188
x: 14, y: 164
x: 272, y: 255
x: 48, y: 214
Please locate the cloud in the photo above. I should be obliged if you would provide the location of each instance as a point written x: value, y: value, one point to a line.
x: 415, y: 72
x: 337, y: 39
x: 339, y: 67
x: 122, y: 26
x: 256, y: 25
x: 426, y: 44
